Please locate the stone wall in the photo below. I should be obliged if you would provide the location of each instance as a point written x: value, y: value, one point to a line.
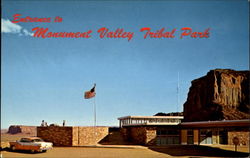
x: 75, y: 133
x: 59, y: 136
x: 124, y: 133
x: 140, y: 135
x: 151, y: 136
x: 72, y: 136
x: 243, y: 137
x: 89, y: 135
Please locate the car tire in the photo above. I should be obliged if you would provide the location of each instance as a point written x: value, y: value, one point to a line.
x: 13, y: 148
x: 32, y: 151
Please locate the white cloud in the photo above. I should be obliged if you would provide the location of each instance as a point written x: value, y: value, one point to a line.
x: 8, y: 27
x: 27, y: 33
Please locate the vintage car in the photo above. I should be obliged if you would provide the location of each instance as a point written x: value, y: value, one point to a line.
x: 34, y: 144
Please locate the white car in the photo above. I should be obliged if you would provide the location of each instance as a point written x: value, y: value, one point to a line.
x: 34, y: 144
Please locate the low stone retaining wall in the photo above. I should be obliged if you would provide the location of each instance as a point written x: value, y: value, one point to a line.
x: 72, y: 136
x: 60, y: 136
x: 140, y: 135
x: 88, y: 135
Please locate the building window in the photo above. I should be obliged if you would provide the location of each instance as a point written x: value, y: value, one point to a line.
x: 205, y: 136
x: 166, y: 137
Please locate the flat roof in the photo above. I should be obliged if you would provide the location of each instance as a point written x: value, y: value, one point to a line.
x: 148, y: 117
x: 223, y: 123
x: 152, y: 124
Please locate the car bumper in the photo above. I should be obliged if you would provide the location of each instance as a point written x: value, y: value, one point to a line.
x: 45, y: 148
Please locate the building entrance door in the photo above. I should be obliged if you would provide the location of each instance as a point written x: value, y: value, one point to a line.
x: 223, y: 137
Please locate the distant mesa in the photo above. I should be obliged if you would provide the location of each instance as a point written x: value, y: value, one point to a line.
x: 223, y: 94
x: 20, y: 129
x: 169, y: 114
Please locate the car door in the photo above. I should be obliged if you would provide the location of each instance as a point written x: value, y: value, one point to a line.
x: 25, y: 144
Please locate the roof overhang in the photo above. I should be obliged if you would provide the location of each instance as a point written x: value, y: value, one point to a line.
x: 150, y: 117
x: 224, y: 123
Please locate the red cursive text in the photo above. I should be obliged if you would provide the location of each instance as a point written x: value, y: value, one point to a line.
x: 158, y: 34
x: 41, y: 32
x: 119, y: 33
x: 187, y: 31
x: 17, y: 19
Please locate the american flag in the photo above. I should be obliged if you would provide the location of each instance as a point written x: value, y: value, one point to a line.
x: 90, y: 94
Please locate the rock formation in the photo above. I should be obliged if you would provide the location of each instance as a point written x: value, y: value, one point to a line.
x: 20, y: 129
x: 221, y: 94
x: 169, y: 114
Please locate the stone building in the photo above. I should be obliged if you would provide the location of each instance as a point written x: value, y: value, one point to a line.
x: 215, y: 132
x: 151, y: 130
x: 169, y: 130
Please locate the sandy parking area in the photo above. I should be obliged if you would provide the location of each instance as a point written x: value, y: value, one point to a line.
x: 130, y: 152
x: 127, y: 151
x: 90, y: 153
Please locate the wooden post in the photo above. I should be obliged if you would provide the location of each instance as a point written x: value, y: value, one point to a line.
x: 184, y: 137
x: 196, y: 136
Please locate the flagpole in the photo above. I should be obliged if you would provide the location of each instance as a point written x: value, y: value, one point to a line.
x: 94, y: 113
x: 94, y: 120
x: 88, y: 95
x: 178, y: 89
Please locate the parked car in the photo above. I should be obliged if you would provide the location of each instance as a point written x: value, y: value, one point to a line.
x: 34, y: 144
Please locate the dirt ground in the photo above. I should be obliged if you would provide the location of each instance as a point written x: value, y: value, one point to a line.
x: 75, y: 152
x: 127, y: 151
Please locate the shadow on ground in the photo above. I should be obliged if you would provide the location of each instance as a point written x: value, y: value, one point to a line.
x: 196, y: 150
x: 19, y: 151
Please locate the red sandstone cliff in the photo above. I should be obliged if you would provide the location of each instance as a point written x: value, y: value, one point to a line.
x: 221, y: 94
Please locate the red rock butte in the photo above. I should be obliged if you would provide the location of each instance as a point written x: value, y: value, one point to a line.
x: 223, y: 94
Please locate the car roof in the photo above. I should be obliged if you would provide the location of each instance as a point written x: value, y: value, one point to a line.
x: 31, y: 138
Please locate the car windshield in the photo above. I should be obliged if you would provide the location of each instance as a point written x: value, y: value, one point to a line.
x: 24, y: 140
x: 37, y: 140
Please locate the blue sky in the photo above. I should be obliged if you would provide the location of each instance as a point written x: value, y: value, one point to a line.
x: 44, y: 79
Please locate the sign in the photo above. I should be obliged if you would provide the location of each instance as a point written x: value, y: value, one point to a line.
x: 236, y: 142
